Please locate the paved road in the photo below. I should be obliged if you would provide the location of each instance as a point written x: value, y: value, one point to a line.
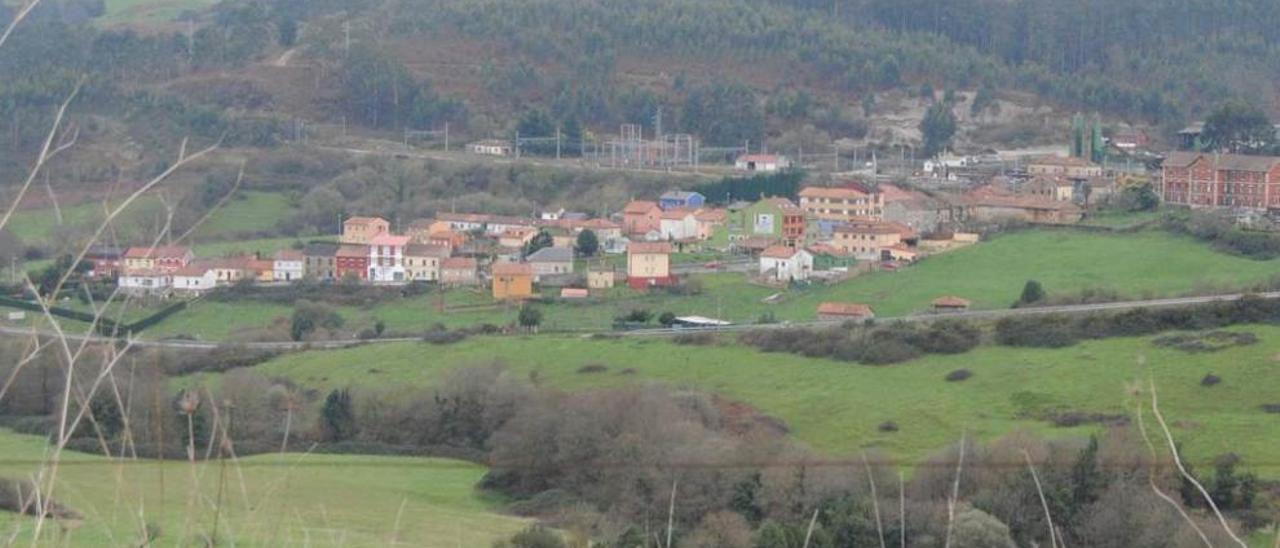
x: 975, y: 314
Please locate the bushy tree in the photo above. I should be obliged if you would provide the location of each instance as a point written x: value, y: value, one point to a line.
x: 530, y: 317
x: 338, y: 416
x: 309, y: 316
x: 1032, y: 292
x: 1237, y: 126
x: 937, y: 127
x: 588, y: 243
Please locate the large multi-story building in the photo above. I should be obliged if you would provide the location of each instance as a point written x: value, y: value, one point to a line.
x: 842, y: 203
x: 1202, y: 179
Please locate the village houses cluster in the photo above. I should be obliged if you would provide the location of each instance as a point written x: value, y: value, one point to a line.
x: 823, y: 234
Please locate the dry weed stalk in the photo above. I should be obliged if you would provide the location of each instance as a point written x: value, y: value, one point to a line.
x: 1151, y: 474
x: 1177, y: 460
x: 1048, y: 517
x: 955, y: 490
x: 875, y: 500
x: 808, y: 534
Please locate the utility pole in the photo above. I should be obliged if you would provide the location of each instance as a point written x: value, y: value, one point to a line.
x: 517, y: 144
x: 557, y: 142
x: 446, y: 136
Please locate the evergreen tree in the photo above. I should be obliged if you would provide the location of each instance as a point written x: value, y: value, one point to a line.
x: 1032, y: 292
x: 937, y: 127
x: 338, y: 417
x: 588, y: 244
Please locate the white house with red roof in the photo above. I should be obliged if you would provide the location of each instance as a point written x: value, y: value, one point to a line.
x: 786, y: 264
x: 386, y: 258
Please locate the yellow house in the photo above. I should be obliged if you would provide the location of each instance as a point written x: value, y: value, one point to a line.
x: 512, y: 281
x: 649, y: 264
x: 516, y: 236
x: 871, y: 241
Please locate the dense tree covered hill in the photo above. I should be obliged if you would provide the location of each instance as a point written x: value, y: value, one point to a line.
x: 1154, y: 59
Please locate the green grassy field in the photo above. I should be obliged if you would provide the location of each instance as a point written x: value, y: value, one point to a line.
x: 1142, y: 265
x: 41, y: 226
x: 294, y: 499
x: 836, y: 407
x: 248, y: 212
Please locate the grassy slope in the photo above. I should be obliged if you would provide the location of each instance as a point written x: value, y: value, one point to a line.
x: 149, y: 11
x: 991, y: 274
x: 836, y: 407
x: 294, y: 499
x: 251, y: 211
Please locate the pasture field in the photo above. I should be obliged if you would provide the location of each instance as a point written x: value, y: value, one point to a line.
x: 267, y: 500
x: 836, y: 407
x: 150, y: 11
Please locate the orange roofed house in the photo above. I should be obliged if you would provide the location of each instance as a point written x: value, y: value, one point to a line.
x: 835, y: 311
x: 165, y: 258
x: 649, y: 264
x: 512, y: 281
x: 641, y: 217
x: 360, y: 230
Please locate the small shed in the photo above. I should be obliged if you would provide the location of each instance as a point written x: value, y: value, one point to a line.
x: 834, y: 311
x: 950, y: 304
x: 574, y: 293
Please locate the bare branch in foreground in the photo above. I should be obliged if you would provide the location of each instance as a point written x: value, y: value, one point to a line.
x: 17, y: 19
x: 1048, y: 517
x: 875, y: 500
x: 47, y: 152
x: 955, y: 491
x: 1177, y: 460
x: 1151, y: 479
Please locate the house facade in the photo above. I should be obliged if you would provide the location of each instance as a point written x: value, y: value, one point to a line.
x: 765, y: 163
x: 351, y: 260
x: 321, y: 260
x: 386, y: 258
x: 1204, y: 180
x: 641, y: 217
x: 195, y: 278
x: 458, y: 271
x: 551, y: 261
x: 848, y: 203
x: 777, y: 218
x: 422, y: 262
x: 649, y: 264
x: 361, y: 230
x: 869, y: 241
x: 512, y: 281
x: 785, y: 264
x: 288, y: 265
x: 1064, y: 166
x: 678, y: 224
x: 166, y: 259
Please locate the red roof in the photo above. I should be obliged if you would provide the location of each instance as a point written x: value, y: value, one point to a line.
x: 158, y: 252
x: 289, y: 255
x: 352, y: 250
x: 364, y: 220
x: 390, y: 240
x: 512, y: 269
x: 648, y: 247
x: 639, y: 207
x: 779, y: 252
